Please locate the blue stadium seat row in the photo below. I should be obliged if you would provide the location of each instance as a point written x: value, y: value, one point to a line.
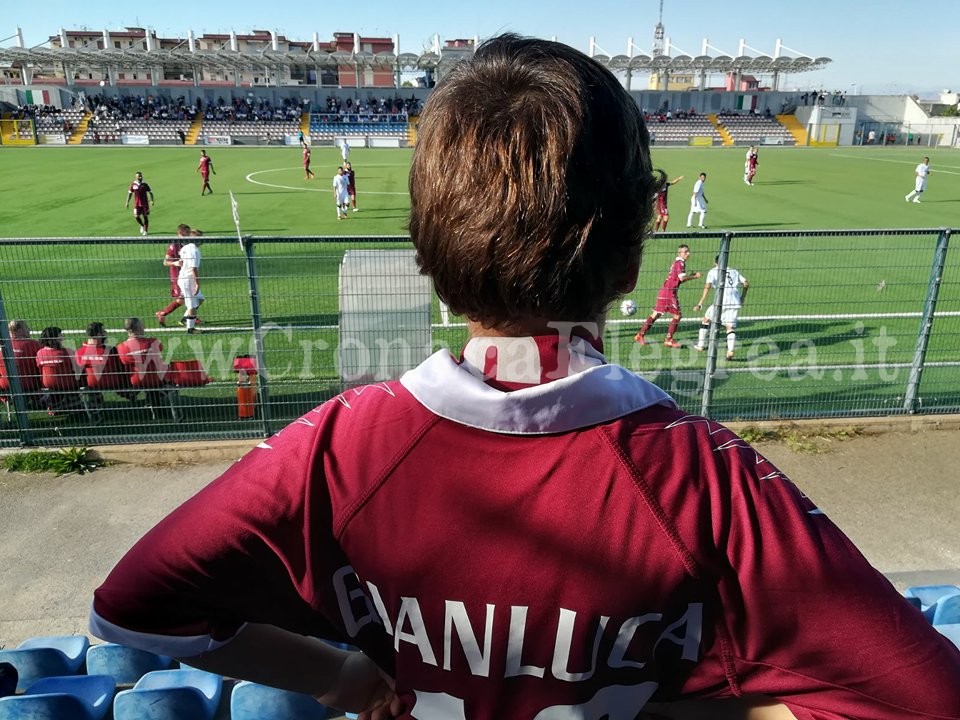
x: 48, y: 673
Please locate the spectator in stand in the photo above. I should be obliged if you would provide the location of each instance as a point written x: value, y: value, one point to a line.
x: 580, y: 545
x: 58, y: 373
x: 25, y: 351
x: 100, y: 363
x: 205, y: 167
x: 143, y: 199
x: 351, y: 184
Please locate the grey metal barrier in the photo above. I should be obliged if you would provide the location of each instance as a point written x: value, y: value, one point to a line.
x: 834, y: 324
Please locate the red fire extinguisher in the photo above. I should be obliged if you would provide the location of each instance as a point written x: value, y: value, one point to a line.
x: 246, y: 395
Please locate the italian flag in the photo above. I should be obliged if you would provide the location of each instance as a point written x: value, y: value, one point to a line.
x: 38, y: 97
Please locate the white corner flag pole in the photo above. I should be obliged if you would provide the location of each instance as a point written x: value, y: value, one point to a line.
x: 236, y: 218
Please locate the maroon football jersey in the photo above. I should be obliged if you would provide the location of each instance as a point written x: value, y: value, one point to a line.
x: 533, y: 533
x: 140, y: 192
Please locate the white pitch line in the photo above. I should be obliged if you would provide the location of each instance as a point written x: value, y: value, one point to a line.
x: 936, y: 168
x: 250, y: 176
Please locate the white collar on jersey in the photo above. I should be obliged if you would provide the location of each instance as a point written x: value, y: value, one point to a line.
x: 592, y: 392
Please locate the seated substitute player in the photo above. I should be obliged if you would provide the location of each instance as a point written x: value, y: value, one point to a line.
x: 25, y: 351
x: 100, y: 363
x: 733, y: 298
x: 58, y: 373
x: 523, y: 530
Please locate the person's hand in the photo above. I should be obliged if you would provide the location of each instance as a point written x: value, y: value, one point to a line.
x: 697, y: 275
x: 697, y: 306
x: 363, y: 688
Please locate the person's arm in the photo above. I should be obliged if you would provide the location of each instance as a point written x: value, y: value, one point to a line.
x: 129, y: 195
x: 341, y: 679
x: 675, y: 180
x: 703, y: 296
x: 152, y: 201
x: 744, y: 287
x: 234, y: 578
x: 806, y: 619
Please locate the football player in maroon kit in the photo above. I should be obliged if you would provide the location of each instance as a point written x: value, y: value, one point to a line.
x: 351, y: 184
x: 143, y: 199
x: 205, y: 168
x: 661, y: 213
x: 523, y: 530
x: 668, y: 300
x: 308, y: 173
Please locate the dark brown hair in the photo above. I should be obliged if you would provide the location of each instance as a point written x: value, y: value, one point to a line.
x: 531, y: 184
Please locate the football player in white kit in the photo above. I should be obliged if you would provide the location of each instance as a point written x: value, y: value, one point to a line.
x: 341, y: 193
x: 733, y: 298
x: 698, y: 201
x: 923, y: 169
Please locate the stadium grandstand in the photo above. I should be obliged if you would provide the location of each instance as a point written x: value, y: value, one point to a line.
x: 134, y: 87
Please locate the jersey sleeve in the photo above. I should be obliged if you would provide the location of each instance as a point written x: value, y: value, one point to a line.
x: 809, y: 620
x: 247, y: 548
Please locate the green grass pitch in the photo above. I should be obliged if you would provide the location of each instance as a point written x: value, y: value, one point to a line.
x: 824, y: 309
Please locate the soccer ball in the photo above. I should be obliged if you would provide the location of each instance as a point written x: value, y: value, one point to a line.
x: 628, y: 307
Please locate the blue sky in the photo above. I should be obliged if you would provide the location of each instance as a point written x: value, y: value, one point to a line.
x: 892, y: 47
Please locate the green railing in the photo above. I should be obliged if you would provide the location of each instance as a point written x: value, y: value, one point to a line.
x: 836, y: 324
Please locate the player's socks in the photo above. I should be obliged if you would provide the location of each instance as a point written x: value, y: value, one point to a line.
x: 674, y: 324
x: 702, y: 337
x: 731, y: 342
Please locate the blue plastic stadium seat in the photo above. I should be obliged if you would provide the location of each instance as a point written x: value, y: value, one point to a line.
x: 46, y: 656
x: 252, y: 701
x: 170, y: 695
x: 947, y: 610
x: 70, y: 697
x: 930, y: 596
x: 951, y: 632
x: 125, y: 664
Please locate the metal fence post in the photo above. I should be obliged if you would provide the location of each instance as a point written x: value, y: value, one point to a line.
x: 263, y: 388
x: 13, y: 377
x: 926, y: 321
x: 722, y: 261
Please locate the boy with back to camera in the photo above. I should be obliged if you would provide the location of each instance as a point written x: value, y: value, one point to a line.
x: 524, y: 530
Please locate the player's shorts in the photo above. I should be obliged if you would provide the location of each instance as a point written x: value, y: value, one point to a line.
x: 342, y: 198
x: 140, y: 211
x: 205, y: 175
x: 352, y: 192
x: 920, y: 185
x: 192, y: 297
x: 661, y: 208
x: 697, y: 206
x: 175, y: 289
x: 667, y: 302
x: 727, y: 317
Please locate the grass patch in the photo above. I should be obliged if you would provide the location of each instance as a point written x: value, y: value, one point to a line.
x: 72, y: 460
x: 812, y: 440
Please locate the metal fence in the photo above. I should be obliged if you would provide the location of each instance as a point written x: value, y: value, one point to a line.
x: 835, y: 324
